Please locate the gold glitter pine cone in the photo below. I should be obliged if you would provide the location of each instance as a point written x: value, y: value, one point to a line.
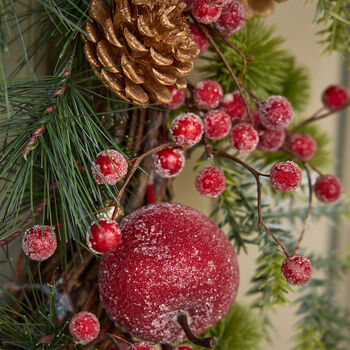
x: 140, y: 47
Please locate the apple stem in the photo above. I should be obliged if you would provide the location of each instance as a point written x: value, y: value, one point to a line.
x: 209, y: 342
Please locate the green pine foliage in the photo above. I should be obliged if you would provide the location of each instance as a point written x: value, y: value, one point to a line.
x: 273, y: 71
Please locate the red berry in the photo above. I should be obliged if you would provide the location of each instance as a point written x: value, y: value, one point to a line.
x: 207, y: 94
x: 275, y: 112
x: 169, y: 162
x: 187, y: 129
x: 303, y: 145
x: 217, y: 124
x: 84, y: 327
x: 177, y: 100
x: 141, y: 346
x: 244, y: 137
x: 219, y: 3
x: 211, y: 182
x: 39, y: 242
x: 183, y: 347
x: 104, y: 236
x: 328, y: 188
x: 199, y: 38
x: 232, y: 17
x: 204, y: 12
x: 335, y: 96
x: 296, y: 269
x: 270, y: 140
x: 172, y: 258
x: 109, y: 167
x: 285, y: 176
x: 233, y: 105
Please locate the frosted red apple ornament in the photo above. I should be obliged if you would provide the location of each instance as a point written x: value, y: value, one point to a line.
x: 172, y: 261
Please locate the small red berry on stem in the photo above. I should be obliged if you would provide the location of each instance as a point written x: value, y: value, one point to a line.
x: 177, y: 100
x: 187, y: 129
x: 217, y: 124
x: 296, y: 269
x: 335, y: 96
x: 285, y: 176
x: 244, y: 137
x: 270, y: 140
x: 84, y: 327
x: 233, y: 105
x: 275, y: 112
x: 39, y: 242
x: 204, y: 12
x: 169, y: 162
x: 104, y: 236
x: 109, y: 167
x: 207, y: 94
x: 328, y: 188
x: 141, y: 346
x: 303, y: 145
x: 211, y: 182
x: 199, y: 38
x: 232, y: 17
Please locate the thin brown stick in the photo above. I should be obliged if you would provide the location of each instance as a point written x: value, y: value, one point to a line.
x: 256, y: 175
x: 209, y: 150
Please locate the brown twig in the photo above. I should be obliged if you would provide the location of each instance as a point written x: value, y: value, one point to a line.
x: 32, y: 141
x: 209, y: 150
x: 256, y: 175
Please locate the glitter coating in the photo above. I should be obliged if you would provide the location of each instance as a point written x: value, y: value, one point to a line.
x: 104, y: 236
x: 172, y: 258
x: 217, y: 124
x: 207, y: 94
x: 141, y: 346
x: 199, y: 38
x: 177, y: 99
x: 104, y: 171
x: 39, y: 242
x: 335, y: 96
x: 186, y: 129
x: 296, y: 269
x: 84, y: 327
x: 219, y: 2
x: 169, y: 162
x: 275, y: 112
x: 244, y: 138
x: 285, y: 176
x: 204, y: 12
x: 232, y: 17
x: 328, y: 188
x: 210, y: 182
x: 233, y: 105
x: 270, y: 140
x: 303, y: 145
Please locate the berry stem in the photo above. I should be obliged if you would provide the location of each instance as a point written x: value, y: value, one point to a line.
x: 256, y: 175
x: 209, y: 342
x: 132, y: 170
x: 309, y: 209
x: 119, y: 338
x: 223, y: 60
x: 209, y: 150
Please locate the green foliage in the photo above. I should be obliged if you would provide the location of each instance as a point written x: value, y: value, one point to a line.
x: 273, y: 71
x: 240, y: 329
x: 334, y: 16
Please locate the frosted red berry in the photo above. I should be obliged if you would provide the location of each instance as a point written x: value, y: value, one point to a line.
x: 169, y: 162
x: 199, y: 38
x: 207, y: 94
x: 270, y: 140
x: 172, y: 258
x: 219, y: 3
x: 141, y: 346
x: 335, y: 96
x: 233, y: 105
x: 187, y: 129
x: 285, y: 176
x: 303, y: 145
x: 204, y: 12
x: 84, y: 327
x: 39, y: 242
x: 104, y: 236
x: 217, y: 124
x: 109, y: 167
x: 275, y: 112
x: 232, y: 17
x: 210, y: 182
x: 183, y: 347
x: 178, y: 98
x: 296, y: 269
x: 328, y: 188
x: 244, y: 138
